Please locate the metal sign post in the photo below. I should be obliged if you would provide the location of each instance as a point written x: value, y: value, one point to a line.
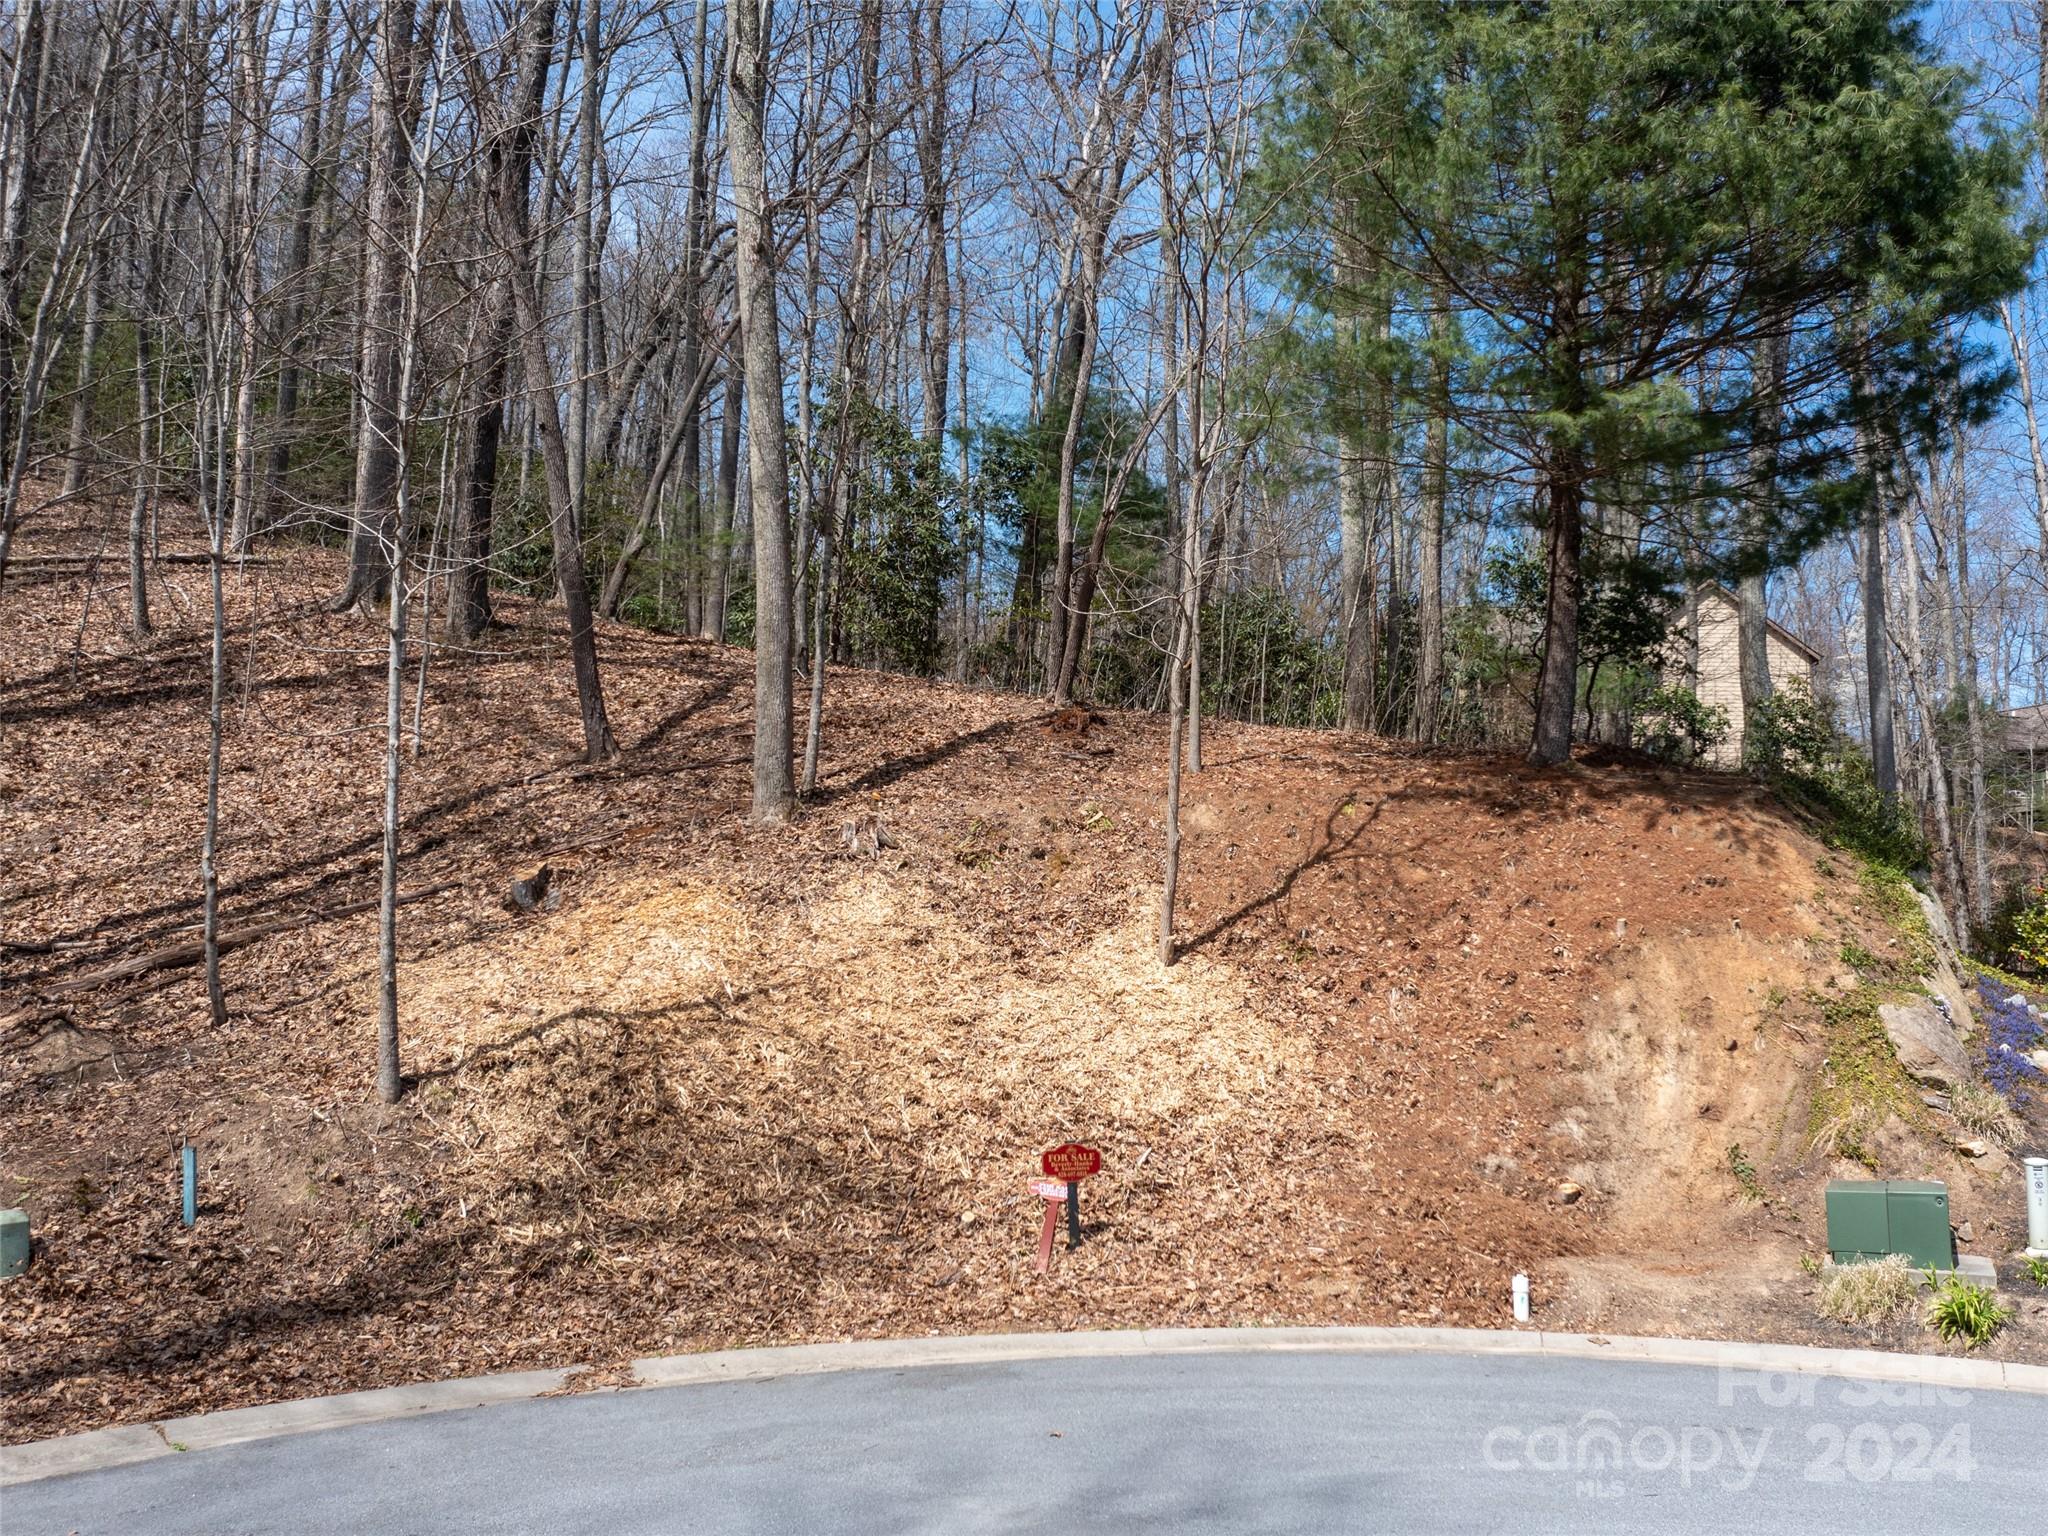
x: 1070, y: 1163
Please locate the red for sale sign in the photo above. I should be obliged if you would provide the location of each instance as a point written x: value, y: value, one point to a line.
x: 1071, y: 1162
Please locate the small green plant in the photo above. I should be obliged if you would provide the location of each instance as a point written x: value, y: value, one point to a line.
x: 1866, y: 1292
x: 2037, y: 1270
x: 1810, y: 1265
x: 1824, y: 867
x: 1860, y: 960
x: 1745, y: 1175
x: 1961, y: 1310
x: 984, y: 843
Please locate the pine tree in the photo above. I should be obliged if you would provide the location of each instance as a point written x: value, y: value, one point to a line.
x: 1619, y: 200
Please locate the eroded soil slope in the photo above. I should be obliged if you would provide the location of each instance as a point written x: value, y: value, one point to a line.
x: 740, y: 1085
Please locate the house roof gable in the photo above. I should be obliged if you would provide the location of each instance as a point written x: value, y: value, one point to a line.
x: 1772, y: 625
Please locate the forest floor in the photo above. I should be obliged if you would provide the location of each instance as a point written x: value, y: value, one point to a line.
x: 744, y: 1085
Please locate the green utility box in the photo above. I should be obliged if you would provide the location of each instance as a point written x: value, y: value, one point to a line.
x: 1918, y: 1215
x: 1858, y: 1227
x: 1868, y: 1219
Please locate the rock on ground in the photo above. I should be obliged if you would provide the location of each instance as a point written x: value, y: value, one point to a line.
x: 1925, y: 1042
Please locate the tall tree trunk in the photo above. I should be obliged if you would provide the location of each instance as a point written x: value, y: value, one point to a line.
x: 1427, y: 720
x: 1917, y: 678
x: 2037, y: 458
x: 1876, y: 639
x: 298, y: 262
x: 392, y: 115
x: 1166, y: 298
x: 419, y: 150
x: 390, y: 1081
x: 582, y: 257
x: 1982, y: 896
x: 18, y: 165
x: 1098, y: 193
x: 1357, y: 496
x: 506, y: 178
x: 761, y: 346
x: 1566, y: 473
x: 806, y: 364
x: 1557, y: 683
x: 568, y: 549
x: 488, y: 380
x: 724, y: 497
x: 973, y: 511
x: 79, y: 455
x: 855, y: 329
x: 142, y: 497
x: 1057, y: 673
x: 514, y: 231
x: 1185, y: 634
x: 1753, y: 660
x: 216, y: 702
x: 697, y: 210
x: 247, y: 169
x: 927, y: 58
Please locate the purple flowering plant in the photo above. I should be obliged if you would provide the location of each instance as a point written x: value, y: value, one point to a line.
x: 2011, y: 1031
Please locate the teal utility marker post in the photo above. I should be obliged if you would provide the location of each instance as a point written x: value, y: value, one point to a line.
x: 14, y: 1246
x: 189, y: 1158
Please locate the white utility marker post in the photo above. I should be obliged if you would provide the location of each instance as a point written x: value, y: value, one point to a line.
x: 2037, y: 1206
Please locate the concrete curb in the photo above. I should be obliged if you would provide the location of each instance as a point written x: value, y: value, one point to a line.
x: 127, y: 1444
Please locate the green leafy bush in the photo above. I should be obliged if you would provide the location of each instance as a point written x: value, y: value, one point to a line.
x: 1260, y: 662
x: 904, y: 546
x: 1961, y: 1310
x: 2025, y: 928
x: 1791, y: 734
x: 1792, y: 743
x: 1674, y: 723
x: 739, y: 610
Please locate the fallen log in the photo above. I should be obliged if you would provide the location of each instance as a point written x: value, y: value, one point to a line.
x: 192, y: 952
x: 65, y: 562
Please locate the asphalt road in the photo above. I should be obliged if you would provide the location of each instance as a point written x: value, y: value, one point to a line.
x: 1240, y: 1442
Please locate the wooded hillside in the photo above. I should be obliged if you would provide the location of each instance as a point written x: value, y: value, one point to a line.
x: 1136, y: 355
x: 1437, y: 1018
x: 643, y: 643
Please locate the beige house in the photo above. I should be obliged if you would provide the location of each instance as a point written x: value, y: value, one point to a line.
x: 1711, y: 668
